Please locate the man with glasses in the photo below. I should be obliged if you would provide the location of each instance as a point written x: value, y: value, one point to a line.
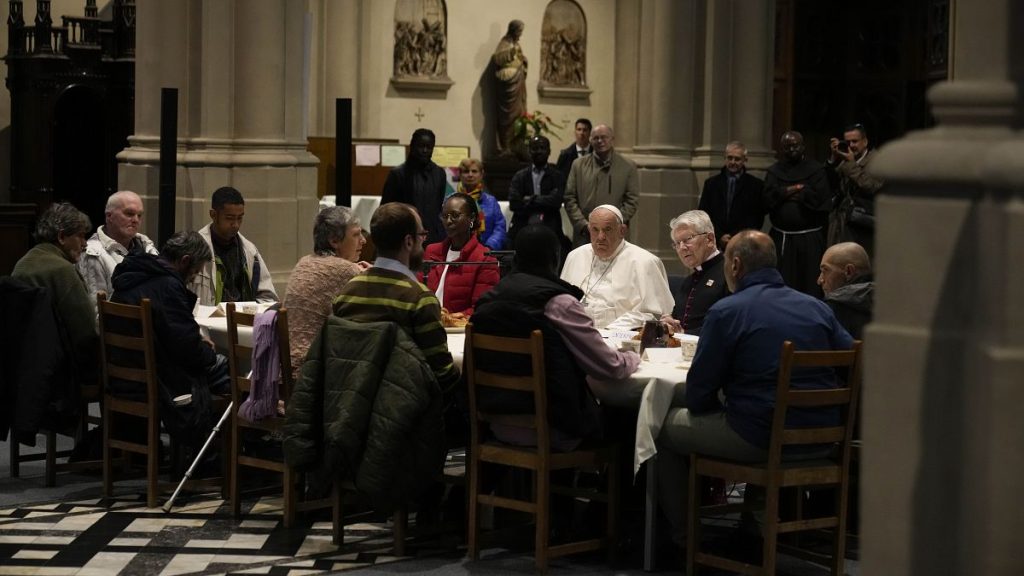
x: 733, y: 198
x: 390, y: 292
x: 693, y: 237
x: 370, y: 405
x: 604, y: 177
x: 853, y: 217
x: 623, y: 285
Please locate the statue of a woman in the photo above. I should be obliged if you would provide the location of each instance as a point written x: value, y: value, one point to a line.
x: 510, y: 72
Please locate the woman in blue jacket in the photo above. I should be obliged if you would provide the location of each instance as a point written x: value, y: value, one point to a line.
x: 492, y: 230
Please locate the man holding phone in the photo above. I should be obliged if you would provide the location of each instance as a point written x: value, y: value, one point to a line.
x: 853, y: 215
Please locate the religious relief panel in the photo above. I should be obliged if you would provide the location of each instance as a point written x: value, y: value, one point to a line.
x: 421, y: 45
x: 563, y: 55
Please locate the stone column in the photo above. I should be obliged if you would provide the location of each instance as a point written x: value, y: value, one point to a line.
x: 944, y: 372
x: 241, y: 76
x: 656, y: 52
x: 691, y: 77
x: 336, y: 65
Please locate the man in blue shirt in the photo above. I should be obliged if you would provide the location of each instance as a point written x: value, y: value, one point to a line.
x: 738, y: 357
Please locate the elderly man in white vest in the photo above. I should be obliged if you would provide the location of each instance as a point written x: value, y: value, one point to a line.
x: 623, y: 284
x: 115, y: 239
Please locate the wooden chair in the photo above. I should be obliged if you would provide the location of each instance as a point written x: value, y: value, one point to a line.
x: 540, y: 460
x: 50, y: 453
x: 777, y: 473
x: 129, y: 329
x: 240, y: 357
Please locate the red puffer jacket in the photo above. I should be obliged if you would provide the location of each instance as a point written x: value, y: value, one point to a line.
x: 463, y: 284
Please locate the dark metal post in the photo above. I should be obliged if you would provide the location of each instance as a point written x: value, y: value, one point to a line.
x: 168, y: 162
x: 343, y: 152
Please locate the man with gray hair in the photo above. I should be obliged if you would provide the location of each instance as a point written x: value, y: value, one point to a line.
x: 604, y: 177
x: 733, y: 198
x: 738, y: 359
x: 114, y: 240
x: 849, y: 288
x: 693, y: 237
x: 186, y: 362
x: 623, y: 284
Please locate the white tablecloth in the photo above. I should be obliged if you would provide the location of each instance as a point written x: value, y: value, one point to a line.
x: 216, y: 327
x: 654, y: 388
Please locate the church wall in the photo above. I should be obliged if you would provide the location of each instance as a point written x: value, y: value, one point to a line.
x: 458, y: 117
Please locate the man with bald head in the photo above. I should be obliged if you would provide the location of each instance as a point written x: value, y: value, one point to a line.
x: 603, y: 177
x: 845, y: 276
x: 798, y: 200
x: 115, y: 239
x: 623, y: 284
x: 738, y: 359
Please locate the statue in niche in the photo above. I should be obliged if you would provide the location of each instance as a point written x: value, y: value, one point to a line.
x: 421, y: 41
x: 510, y: 73
x: 564, y: 45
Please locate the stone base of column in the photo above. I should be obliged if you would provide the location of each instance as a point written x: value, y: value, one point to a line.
x: 278, y: 183
x: 667, y: 188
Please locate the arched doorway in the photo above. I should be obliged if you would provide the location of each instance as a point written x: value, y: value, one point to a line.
x: 79, y: 164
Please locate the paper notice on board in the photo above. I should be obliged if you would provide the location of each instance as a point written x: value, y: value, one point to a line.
x: 449, y: 156
x: 392, y: 155
x: 367, y: 154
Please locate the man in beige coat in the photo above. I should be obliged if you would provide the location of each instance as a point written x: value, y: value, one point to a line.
x: 604, y: 177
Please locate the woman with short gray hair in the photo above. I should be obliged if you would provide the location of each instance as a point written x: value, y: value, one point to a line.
x: 50, y: 264
x: 319, y: 277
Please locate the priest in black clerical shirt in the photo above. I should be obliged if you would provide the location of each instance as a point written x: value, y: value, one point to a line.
x: 799, y: 200
x: 693, y: 238
x: 419, y: 182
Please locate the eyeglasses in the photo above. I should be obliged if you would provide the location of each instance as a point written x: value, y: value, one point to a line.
x: 600, y: 138
x: 688, y: 240
x: 423, y: 234
x: 452, y: 216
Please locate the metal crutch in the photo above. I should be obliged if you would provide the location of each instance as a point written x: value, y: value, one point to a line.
x: 188, y: 473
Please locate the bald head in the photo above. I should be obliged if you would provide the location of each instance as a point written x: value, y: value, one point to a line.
x: 792, y: 144
x: 842, y: 264
x: 748, y: 251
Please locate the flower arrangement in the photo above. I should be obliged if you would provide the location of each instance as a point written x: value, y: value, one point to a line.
x: 532, y: 124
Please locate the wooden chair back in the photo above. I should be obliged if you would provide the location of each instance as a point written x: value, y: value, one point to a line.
x: 127, y: 353
x: 534, y: 383
x: 844, y: 398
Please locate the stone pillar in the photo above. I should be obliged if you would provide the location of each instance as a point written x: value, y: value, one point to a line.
x: 944, y: 371
x: 241, y: 79
x: 336, y: 65
x: 656, y: 52
x: 691, y: 77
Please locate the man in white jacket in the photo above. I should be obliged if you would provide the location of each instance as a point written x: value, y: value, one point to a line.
x: 114, y: 240
x: 237, y: 272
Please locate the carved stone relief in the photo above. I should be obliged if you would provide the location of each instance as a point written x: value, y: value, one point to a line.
x: 421, y: 45
x: 563, y: 58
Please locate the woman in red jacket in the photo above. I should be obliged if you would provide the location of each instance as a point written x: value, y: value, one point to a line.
x: 458, y: 287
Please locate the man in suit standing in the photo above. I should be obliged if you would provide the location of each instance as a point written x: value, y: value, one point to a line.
x: 604, y: 177
x: 733, y: 198
x: 578, y: 149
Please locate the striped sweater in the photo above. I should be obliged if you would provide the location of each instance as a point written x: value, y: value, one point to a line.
x: 379, y: 295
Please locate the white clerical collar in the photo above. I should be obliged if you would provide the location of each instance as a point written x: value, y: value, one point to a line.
x: 708, y: 259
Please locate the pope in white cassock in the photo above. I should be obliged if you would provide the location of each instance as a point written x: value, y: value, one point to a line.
x: 623, y: 284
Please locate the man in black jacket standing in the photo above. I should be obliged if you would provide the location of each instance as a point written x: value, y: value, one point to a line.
x: 578, y: 149
x: 186, y: 361
x: 420, y: 183
x: 733, y: 198
x: 535, y: 194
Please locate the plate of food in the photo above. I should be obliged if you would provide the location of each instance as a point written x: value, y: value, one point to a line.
x: 453, y: 322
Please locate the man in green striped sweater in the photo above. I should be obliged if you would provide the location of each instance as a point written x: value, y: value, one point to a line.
x: 390, y: 292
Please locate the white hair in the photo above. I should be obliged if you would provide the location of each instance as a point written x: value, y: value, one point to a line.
x: 117, y: 199
x: 696, y: 220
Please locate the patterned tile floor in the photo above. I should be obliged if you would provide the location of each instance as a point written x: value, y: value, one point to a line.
x: 122, y: 536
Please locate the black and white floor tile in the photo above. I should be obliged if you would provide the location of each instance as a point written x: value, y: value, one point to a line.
x: 122, y: 536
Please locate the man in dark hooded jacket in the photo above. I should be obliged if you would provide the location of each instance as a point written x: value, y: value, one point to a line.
x: 186, y: 361
x: 798, y: 199
x: 849, y: 288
